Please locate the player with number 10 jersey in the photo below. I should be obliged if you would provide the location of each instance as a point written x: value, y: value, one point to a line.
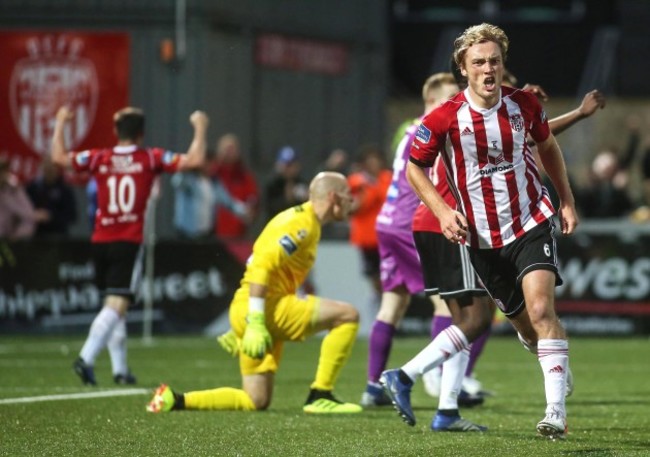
x: 125, y: 176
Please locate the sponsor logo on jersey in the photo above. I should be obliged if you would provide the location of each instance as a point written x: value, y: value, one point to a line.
x: 302, y: 234
x: 423, y: 134
x: 517, y: 122
x: 543, y: 116
x: 288, y: 244
x: 125, y: 164
x: 495, y: 157
x: 121, y: 161
x: 499, y: 169
x: 466, y: 131
x: 169, y: 157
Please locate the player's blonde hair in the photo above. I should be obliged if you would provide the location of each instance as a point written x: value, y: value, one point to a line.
x: 481, y: 33
x: 435, y: 81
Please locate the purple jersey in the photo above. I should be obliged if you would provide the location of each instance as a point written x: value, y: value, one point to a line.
x: 396, y: 214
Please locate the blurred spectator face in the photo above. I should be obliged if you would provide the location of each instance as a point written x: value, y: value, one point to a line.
x: 337, y: 160
x: 228, y: 150
x: 291, y: 169
x: 373, y: 162
x: 605, y: 166
x: 287, y: 162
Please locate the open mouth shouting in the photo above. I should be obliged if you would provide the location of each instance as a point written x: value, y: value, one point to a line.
x: 489, y: 84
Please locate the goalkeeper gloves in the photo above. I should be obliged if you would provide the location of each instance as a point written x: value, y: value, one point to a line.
x: 257, y: 338
x: 229, y: 343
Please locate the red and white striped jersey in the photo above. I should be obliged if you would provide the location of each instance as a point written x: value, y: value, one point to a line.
x: 496, y: 181
x: 125, y: 176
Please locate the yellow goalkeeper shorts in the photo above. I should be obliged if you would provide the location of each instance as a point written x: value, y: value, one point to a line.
x: 288, y: 318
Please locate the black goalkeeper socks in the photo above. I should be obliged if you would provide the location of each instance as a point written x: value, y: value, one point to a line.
x: 179, y: 401
x: 316, y: 394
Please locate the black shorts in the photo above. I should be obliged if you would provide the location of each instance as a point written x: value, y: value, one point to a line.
x: 502, y: 269
x: 370, y: 261
x: 446, y: 268
x: 118, y: 267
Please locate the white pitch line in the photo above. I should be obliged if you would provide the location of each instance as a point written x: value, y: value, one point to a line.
x: 77, y: 396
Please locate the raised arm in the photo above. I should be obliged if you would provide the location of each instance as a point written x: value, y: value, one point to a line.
x: 196, y: 152
x: 590, y: 103
x: 60, y: 155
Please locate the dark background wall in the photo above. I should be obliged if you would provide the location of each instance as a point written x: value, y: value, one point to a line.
x: 565, y: 45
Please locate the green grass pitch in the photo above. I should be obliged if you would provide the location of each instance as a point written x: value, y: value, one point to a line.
x: 609, y: 413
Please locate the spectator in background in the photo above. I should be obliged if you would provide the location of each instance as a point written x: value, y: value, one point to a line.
x: 17, y: 215
x: 591, y: 102
x: 53, y: 200
x: 337, y: 161
x: 196, y: 200
x: 286, y: 188
x: 368, y: 186
x: 229, y: 168
x: 634, y: 127
x: 606, y: 195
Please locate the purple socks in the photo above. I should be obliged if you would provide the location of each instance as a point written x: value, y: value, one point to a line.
x: 381, y: 340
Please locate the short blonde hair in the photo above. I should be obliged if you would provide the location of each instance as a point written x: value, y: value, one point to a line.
x: 479, y: 34
x: 435, y: 81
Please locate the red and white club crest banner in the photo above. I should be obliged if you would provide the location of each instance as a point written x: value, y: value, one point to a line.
x: 42, y: 71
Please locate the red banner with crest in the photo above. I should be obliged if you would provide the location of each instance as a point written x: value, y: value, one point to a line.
x: 42, y: 70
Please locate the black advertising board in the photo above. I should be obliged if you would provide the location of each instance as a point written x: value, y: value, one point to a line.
x: 50, y: 285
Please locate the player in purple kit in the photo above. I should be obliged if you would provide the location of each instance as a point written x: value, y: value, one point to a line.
x: 401, y: 273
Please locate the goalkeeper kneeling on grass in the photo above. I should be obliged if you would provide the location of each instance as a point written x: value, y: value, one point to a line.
x: 266, y: 311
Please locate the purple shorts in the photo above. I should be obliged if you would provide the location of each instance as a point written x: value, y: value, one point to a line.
x: 399, y: 262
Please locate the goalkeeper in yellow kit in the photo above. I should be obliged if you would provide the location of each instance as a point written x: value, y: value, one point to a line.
x: 266, y: 311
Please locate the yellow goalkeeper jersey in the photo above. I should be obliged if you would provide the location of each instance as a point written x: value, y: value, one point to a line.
x: 285, y: 251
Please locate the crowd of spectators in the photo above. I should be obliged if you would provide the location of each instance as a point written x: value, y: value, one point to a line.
x: 228, y: 200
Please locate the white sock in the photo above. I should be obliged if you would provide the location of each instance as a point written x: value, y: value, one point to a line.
x: 553, y: 357
x: 117, y: 348
x: 448, y: 342
x: 453, y: 371
x: 100, y: 331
